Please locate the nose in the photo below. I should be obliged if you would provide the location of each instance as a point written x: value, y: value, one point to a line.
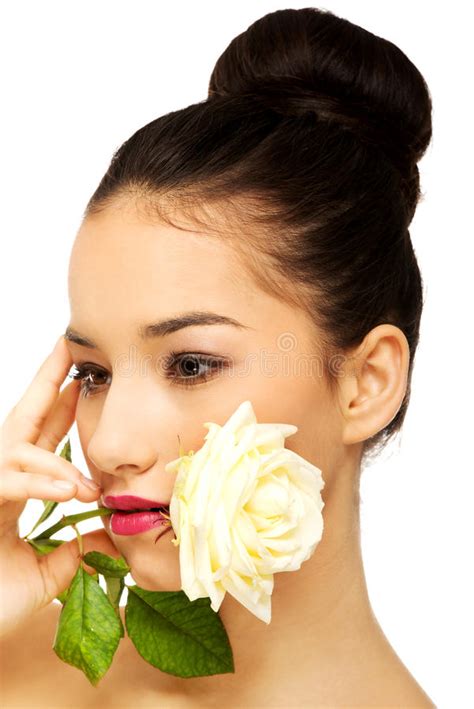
x: 125, y: 440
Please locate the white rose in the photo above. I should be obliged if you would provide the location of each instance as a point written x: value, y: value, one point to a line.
x: 243, y: 508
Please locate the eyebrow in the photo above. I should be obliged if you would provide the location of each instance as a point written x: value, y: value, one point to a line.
x: 163, y: 327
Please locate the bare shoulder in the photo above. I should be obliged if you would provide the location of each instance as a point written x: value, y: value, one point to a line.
x: 374, y: 677
x: 36, y: 632
x: 31, y: 672
x: 32, y: 675
x: 20, y: 666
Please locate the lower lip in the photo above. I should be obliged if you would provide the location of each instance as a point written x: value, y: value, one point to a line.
x: 127, y: 523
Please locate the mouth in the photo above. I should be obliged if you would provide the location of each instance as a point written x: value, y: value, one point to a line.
x: 132, y: 503
x: 134, y: 515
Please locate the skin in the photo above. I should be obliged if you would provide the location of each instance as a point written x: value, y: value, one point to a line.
x: 125, y: 272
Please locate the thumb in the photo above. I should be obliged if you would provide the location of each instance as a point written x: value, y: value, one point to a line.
x: 59, y: 566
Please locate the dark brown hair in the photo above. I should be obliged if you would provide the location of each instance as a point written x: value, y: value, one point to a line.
x: 306, y: 148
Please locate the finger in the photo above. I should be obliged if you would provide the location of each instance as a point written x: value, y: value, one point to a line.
x: 25, y: 421
x: 60, y: 419
x: 26, y: 458
x: 15, y: 486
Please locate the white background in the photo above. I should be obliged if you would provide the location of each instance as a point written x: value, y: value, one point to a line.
x: 80, y: 78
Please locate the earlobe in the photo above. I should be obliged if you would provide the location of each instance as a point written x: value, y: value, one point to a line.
x: 373, y: 389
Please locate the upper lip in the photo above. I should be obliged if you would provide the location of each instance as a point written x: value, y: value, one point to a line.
x: 131, y: 502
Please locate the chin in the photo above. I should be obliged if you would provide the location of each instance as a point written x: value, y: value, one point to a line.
x: 153, y: 566
x: 162, y: 580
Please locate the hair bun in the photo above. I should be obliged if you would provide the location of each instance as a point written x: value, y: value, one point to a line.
x: 295, y: 61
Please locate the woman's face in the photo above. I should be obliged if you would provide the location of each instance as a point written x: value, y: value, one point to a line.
x: 125, y: 275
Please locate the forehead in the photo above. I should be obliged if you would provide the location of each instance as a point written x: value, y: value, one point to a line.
x: 117, y: 257
x: 124, y: 268
x: 125, y: 273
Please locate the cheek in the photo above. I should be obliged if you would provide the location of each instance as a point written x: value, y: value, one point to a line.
x: 88, y: 412
x: 84, y: 429
x: 305, y: 403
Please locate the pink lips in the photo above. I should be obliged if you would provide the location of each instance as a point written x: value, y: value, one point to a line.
x: 136, y: 522
x: 125, y: 521
x: 131, y: 502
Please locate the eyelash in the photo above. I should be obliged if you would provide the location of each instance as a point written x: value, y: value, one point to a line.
x: 84, y: 371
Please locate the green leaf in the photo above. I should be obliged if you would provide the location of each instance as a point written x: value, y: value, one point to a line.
x: 182, y: 637
x: 45, y: 546
x: 49, y: 507
x: 73, y: 519
x: 63, y: 596
x: 107, y: 565
x: 88, y: 631
x: 113, y: 570
x: 66, y: 450
x: 114, y: 589
x: 114, y: 592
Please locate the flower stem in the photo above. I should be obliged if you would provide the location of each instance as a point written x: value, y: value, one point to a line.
x: 79, y: 540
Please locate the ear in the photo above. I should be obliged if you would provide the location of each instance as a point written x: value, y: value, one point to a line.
x: 374, y: 383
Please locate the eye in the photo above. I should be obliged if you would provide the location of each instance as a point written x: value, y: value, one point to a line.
x: 86, y: 374
x: 182, y: 368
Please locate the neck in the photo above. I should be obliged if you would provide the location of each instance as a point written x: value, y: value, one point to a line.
x: 321, y: 616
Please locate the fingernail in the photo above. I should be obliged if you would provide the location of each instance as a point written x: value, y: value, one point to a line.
x: 90, y: 483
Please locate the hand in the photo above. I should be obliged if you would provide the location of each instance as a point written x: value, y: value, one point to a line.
x: 30, y: 468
